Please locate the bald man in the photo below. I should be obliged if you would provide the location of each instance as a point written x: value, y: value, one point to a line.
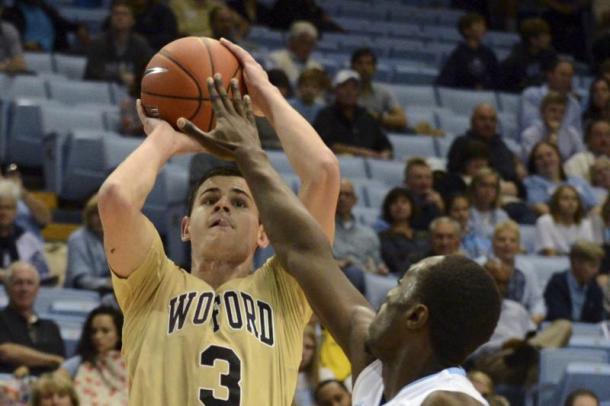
x: 26, y: 339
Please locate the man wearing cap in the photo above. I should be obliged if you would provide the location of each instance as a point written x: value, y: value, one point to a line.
x: 295, y: 58
x: 348, y: 128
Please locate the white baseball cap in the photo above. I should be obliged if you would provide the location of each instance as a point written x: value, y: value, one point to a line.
x: 344, y: 75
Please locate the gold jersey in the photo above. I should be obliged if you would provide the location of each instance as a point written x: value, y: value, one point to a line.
x: 186, y: 344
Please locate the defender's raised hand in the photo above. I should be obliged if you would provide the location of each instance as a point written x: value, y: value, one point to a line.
x: 235, y: 124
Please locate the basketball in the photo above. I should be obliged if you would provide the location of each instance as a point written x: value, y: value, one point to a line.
x: 174, y: 82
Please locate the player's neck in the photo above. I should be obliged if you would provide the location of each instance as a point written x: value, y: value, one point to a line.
x: 218, y: 272
x: 406, y: 368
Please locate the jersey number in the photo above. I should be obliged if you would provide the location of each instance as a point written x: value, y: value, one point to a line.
x: 229, y: 381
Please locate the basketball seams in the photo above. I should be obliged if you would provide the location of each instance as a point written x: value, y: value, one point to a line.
x: 204, y: 42
x: 168, y: 56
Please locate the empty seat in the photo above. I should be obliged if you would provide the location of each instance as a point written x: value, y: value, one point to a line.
x: 501, y: 39
x: 416, y: 116
x: 361, y: 186
x: 416, y: 75
x: 389, y: 172
x: 280, y: 162
x: 508, y: 125
x: 75, y: 92
x: 421, y: 96
x: 436, y: 33
x: 590, y: 342
x: 411, y: 146
x: 72, y: 67
x: 509, y: 103
x: 464, y: 101
x: 528, y: 238
x: 39, y: 62
x: 454, y: 124
x: 376, y: 193
x: 24, y: 86
x: 352, y: 167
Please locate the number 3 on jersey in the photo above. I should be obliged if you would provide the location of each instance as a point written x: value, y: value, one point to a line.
x: 230, y: 381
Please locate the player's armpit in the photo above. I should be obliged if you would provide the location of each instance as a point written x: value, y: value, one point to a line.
x: 447, y: 398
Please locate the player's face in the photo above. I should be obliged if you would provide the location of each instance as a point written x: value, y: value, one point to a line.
x: 103, y: 333
x: 224, y: 222
x: 332, y: 394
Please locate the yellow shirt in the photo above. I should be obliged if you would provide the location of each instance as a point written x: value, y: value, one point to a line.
x: 186, y: 344
x: 193, y: 16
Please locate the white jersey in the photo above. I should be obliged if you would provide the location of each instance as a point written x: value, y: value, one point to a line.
x: 368, y: 390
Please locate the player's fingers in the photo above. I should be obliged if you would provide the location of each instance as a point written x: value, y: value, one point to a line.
x: 224, y: 96
x: 217, y: 104
x: 141, y: 115
x: 238, y: 102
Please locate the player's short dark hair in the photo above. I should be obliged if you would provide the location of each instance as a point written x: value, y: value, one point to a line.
x: 580, y: 392
x: 325, y: 382
x: 360, y: 52
x: 468, y: 20
x: 86, y: 348
x: 226, y: 170
x: 464, y: 306
x: 391, y: 197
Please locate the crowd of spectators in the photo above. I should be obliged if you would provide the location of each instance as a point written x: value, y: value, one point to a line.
x: 557, y: 180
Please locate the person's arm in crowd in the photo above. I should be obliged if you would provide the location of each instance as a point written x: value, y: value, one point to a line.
x: 297, y: 238
x: 128, y: 234
x: 447, y: 75
x: 16, y: 354
x: 80, y: 268
x: 557, y: 300
x: 15, y: 61
x: 38, y: 209
x: 314, y: 163
x: 339, y: 149
x: 395, y: 118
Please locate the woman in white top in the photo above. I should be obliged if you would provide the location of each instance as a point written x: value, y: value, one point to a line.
x: 557, y: 231
x: 484, y: 193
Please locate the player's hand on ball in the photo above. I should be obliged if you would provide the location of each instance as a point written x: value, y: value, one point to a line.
x: 235, y: 124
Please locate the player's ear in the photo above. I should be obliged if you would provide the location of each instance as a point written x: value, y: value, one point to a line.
x: 185, y: 229
x: 416, y: 316
x: 262, y: 241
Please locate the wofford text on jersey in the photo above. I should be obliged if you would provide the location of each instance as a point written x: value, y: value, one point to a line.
x: 240, y: 311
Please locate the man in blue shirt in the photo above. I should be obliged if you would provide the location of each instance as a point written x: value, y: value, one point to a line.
x: 574, y: 294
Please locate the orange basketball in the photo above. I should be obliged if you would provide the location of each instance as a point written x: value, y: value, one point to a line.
x: 174, y: 82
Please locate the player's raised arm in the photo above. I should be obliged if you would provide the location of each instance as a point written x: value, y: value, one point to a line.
x: 297, y: 238
x: 312, y: 160
x: 127, y: 232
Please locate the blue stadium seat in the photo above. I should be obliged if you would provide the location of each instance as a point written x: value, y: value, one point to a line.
x: 75, y: 92
x: 446, y: 34
x: 350, y: 43
x: 509, y: 103
x: 72, y: 67
x: 419, y: 115
x: 412, y: 145
x: 464, y: 101
x: 454, y: 124
x: 508, y: 126
x: 528, y: 238
x: 450, y: 17
x: 501, y: 39
x: 377, y: 287
x: 362, y: 11
x: 415, y: 76
x: 584, y: 375
x: 93, y: 18
x: 421, y: 96
x: 366, y: 215
x: 402, y: 29
x: 352, y: 167
x: 390, y: 172
x: 545, y: 266
x: 280, y: 162
x: 553, y: 363
x: 444, y: 143
x: 590, y: 342
x: 24, y: 86
x: 39, y: 62
x: 119, y: 93
x: 351, y: 23
x: 361, y: 186
x: 376, y: 193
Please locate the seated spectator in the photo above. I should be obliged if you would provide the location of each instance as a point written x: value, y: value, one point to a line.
x: 99, y: 372
x: 559, y: 74
x: 41, y: 27
x: 286, y: 12
x: 356, y: 246
x: 310, y: 372
x: 377, y: 99
x: 573, y: 294
x: 524, y: 65
x: 251, y: 12
x: 600, y: 179
x: 598, y: 106
x: 473, y: 245
x: 582, y: 397
x: 15, y: 242
x: 32, y: 213
x: 119, y: 55
x: 348, y: 128
x: 25, y: 339
x: 484, y: 194
x: 483, y: 127
x: 155, y: 21
x: 266, y: 132
x: 565, y: 223
x: 87, y: 264
x: 11, y: 52
x: 597, y: 139
x: 310, y: 86
x: 511, y: 354
x: 444, y: 237
x: 293, y: 60
x: 53, y: 389
x: 567, y: 138
x: 193, y: 16
x: 546, y: 174
x: 471, y: 65
x: 474, y: 156
x: 523, y: 284
x: 224, y: 24
x: 332, y: 392
x: 401, y: 245
x: 418, y: 179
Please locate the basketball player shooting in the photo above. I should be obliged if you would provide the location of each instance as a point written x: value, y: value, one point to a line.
x: 410, y: 352
x: 221, y: 334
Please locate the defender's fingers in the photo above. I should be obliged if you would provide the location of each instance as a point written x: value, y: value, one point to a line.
x: 217, y: 104
x: 224, y: 96
x: 248, y: 110
x: 238, y: 102
x: 209, y: 141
